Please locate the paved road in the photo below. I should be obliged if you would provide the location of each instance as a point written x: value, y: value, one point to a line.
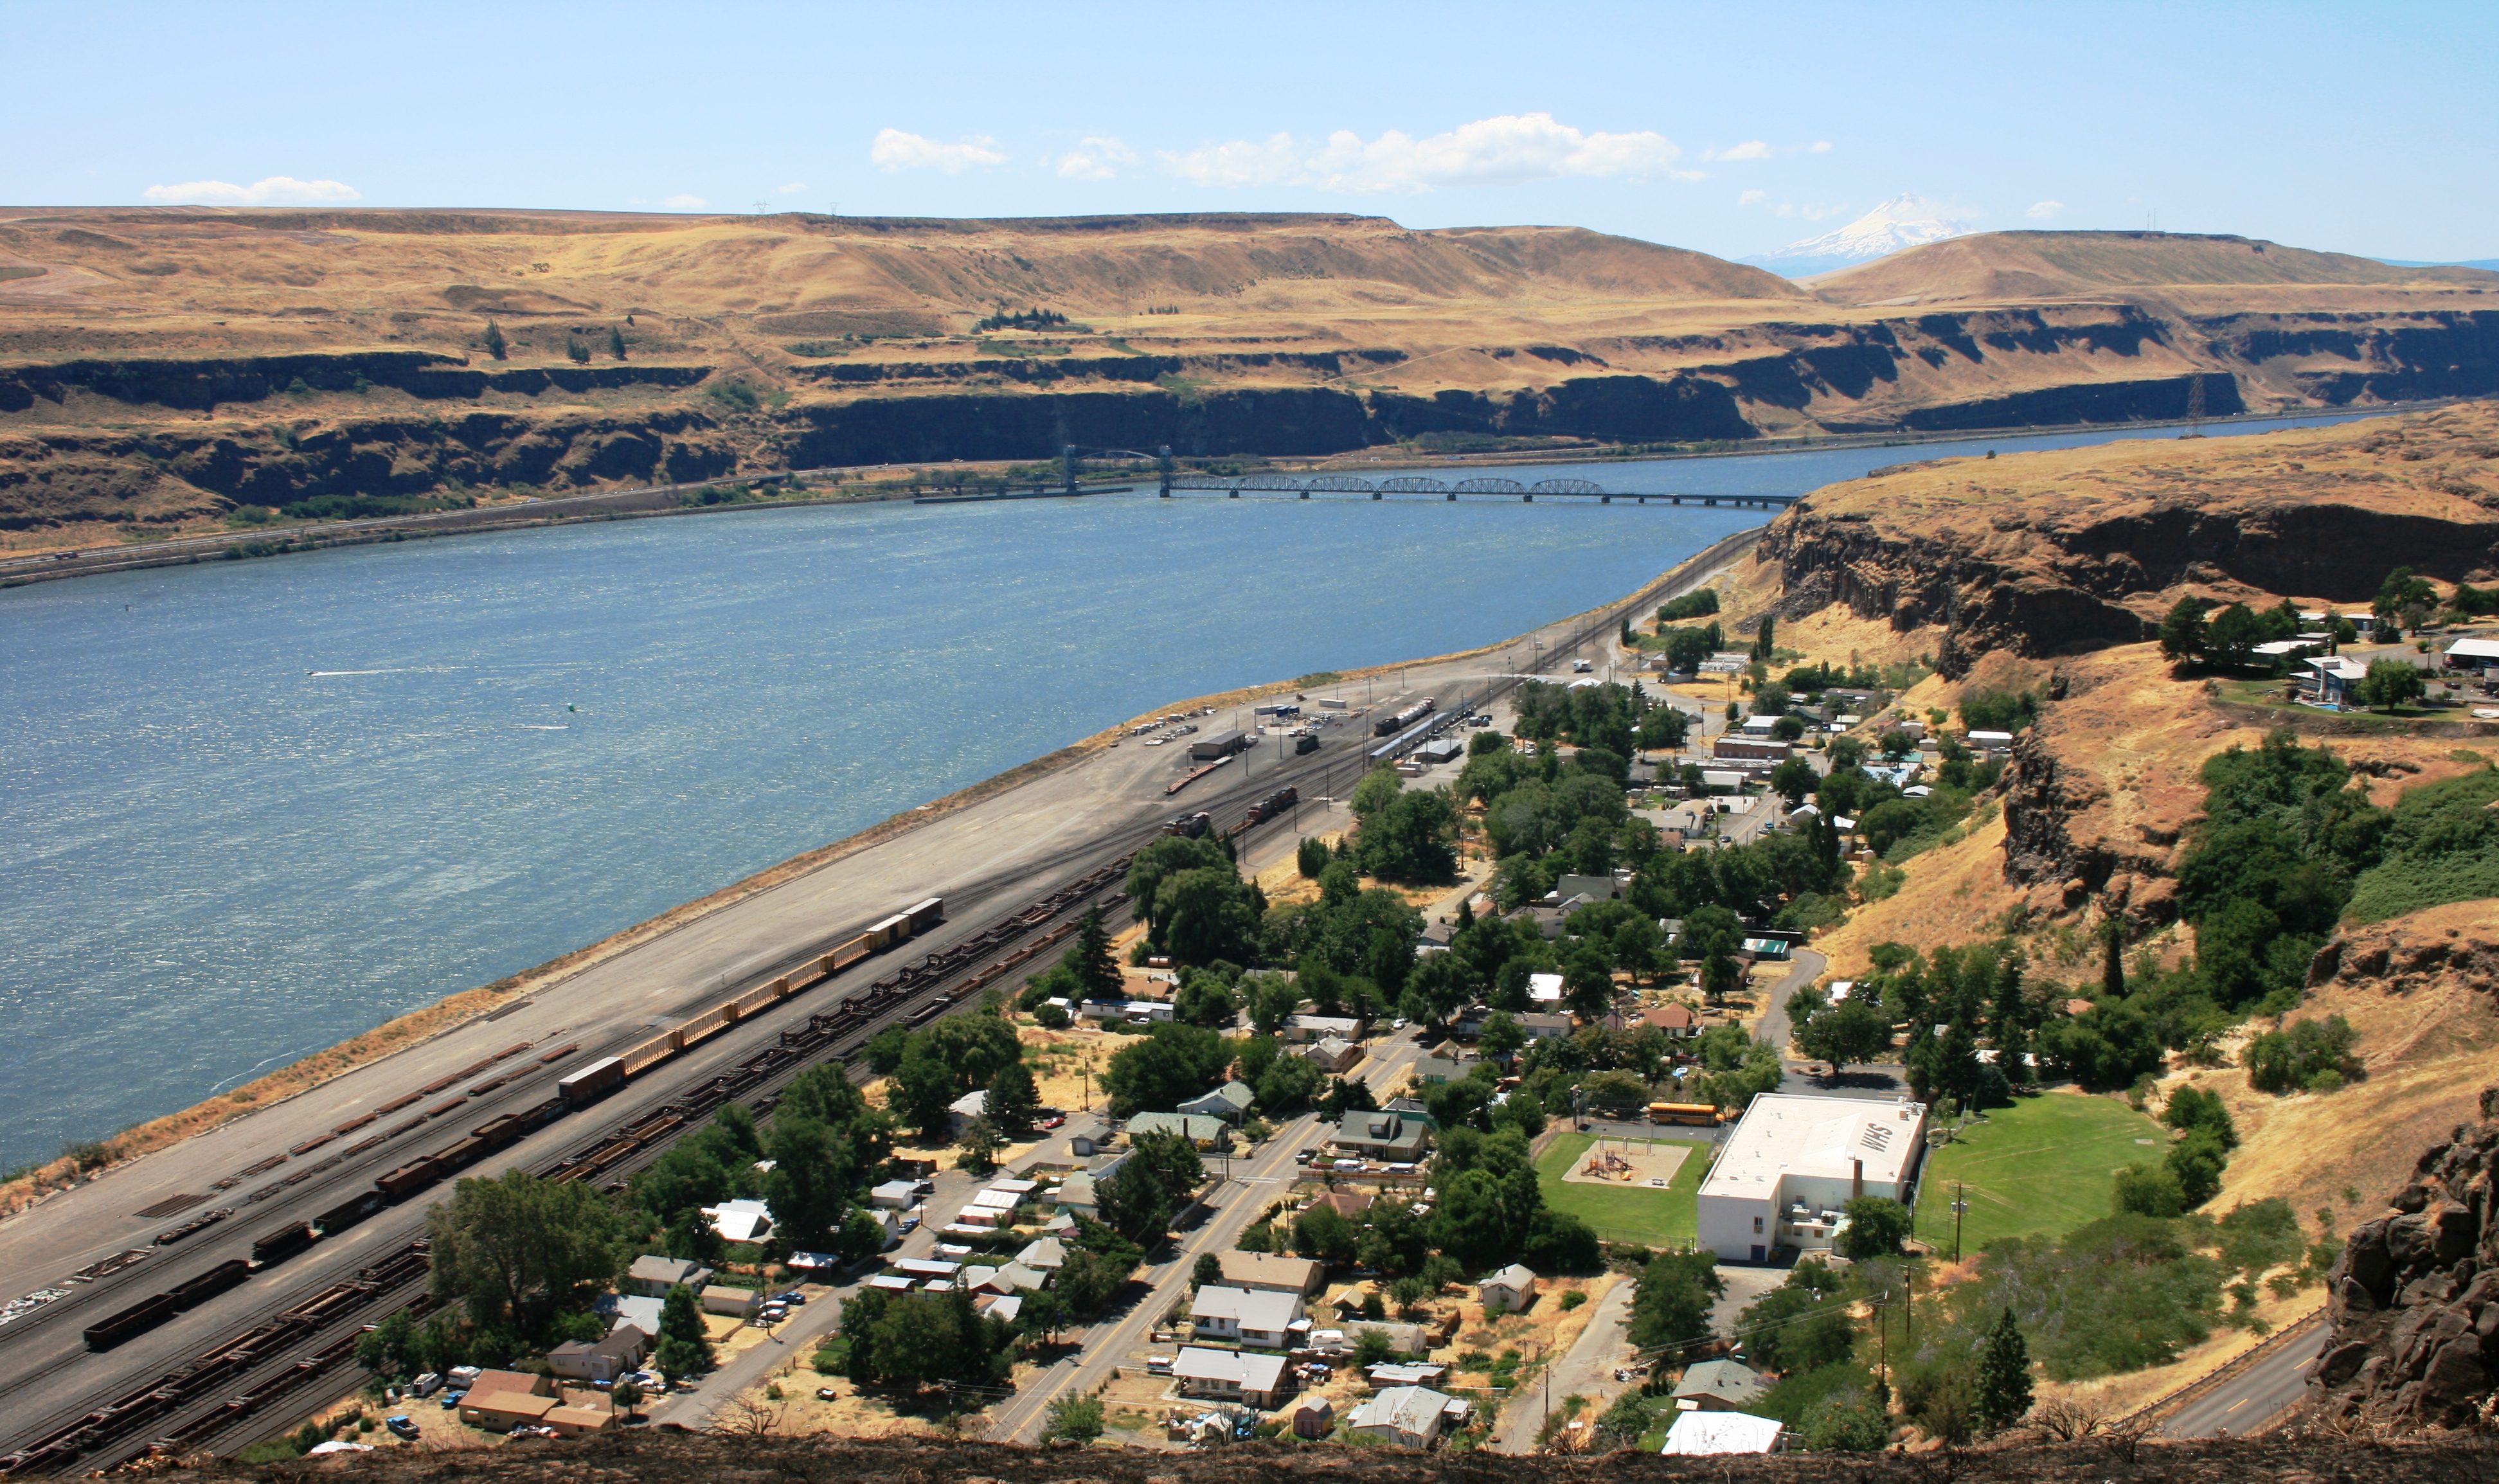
x: 2256, y: 1396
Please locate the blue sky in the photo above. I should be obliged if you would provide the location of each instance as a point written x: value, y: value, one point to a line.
x: 1731, y: 129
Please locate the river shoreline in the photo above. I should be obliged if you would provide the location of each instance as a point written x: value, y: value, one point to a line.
x: 24, y: 1189
x: 648, y: 501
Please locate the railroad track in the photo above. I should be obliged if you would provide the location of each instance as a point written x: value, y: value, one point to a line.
x: 193, y: 1406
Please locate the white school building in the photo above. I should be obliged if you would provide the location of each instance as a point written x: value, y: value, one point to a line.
x: 1794, y: 1162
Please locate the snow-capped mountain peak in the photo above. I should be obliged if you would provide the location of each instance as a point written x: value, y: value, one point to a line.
x: 1903, y: 221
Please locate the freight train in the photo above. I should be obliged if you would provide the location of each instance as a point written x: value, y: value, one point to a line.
x: 575, y: 1091
x: 1392, y: 725
x: 1272, y: 806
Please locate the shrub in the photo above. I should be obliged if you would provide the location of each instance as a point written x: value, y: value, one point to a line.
x: 2313, y: 1054
x: 1573, y: 1300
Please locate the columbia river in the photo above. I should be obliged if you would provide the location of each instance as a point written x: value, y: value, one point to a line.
x: 252, y: 808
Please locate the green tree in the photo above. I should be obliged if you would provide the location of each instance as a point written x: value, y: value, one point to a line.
x: 1795, y: 780
x: 616, y: 343
x: 576, y: 351
x: 2003, y: 1376
x: 1876, y: 1227
x: 1803, y: 1325
x: 2390, y: 683
x: 1209, y: 1269
x: 1074, y: 1417
x: 628, y: 1395
x: 2232, y: 636
x: 2405, y: 600
x: 503, y: 1243
x: 1324, y: 1233
x: 2148, y: 1190
x: 685, y: 1347
x: 1671, y: 1300
x: 923, y: 1091
x: 1501, y: 1035
x: 1310, y: 857
x: 2182, y: 631
x: 495, y: 346
x: 1850, y: 1031
x: 1413, y: 839
x: 1012, y: 1102
x: 1095, y: 966
x: 1166, y: 1067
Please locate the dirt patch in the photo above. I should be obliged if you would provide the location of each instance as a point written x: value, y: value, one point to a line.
x: 1621, y: 1163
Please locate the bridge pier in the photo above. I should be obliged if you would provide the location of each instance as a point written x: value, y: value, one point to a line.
x: 1306, y: 494
x: 1711, y: 501
x: 1604, y: 500
x: 1375, y: 494
x: 1527, y: 499
x: 1236, y: 494
x: 1451, y: 497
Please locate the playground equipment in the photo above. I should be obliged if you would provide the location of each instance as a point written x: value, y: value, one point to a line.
x: 1606, y: 1165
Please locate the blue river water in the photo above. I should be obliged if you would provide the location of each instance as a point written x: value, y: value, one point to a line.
x: 248, y: 809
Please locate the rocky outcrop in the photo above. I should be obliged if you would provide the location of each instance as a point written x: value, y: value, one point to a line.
x: 2414, y: 1300
x: 2082, y: 558
x: 2418, y: 952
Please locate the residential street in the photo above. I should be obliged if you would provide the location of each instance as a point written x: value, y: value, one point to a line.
x: 1253, y: 1188
x: 1588, y: 1368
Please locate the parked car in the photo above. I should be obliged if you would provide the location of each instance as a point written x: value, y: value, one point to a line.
x: 794, y: 1296
x: 451, y: 1400
x: 828, y: 1394
x: 401, y: 1426
x: 425, y: 1385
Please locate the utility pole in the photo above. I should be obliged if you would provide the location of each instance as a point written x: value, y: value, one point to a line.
x: 1959, y: 1206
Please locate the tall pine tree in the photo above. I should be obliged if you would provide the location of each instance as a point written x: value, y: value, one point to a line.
x: 495, y: 341
x: 2003, y: 1375
x: 1096, y: 968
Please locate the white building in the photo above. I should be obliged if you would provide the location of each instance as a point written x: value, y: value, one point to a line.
x: 1407, y: 1417
x: 1252, y: 1317
x: 1793, y: 1162
x: 1712, y: 1433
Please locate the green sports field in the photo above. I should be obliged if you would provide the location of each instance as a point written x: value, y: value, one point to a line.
x: 2038, y: 1168
x: 1651, y: 1217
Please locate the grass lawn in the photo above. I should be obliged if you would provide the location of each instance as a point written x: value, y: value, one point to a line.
x: 1651, y: 1217
x: 2040, y: 1167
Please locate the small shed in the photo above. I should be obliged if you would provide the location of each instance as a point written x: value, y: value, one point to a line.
x: 737, y: 1303
x: 1313, y: 1417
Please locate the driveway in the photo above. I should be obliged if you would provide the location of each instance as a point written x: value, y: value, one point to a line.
x: 1586, y: 1369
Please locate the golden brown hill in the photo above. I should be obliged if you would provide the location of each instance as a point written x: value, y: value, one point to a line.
x: 2034, y: 266
x: 2045, y: 553
x: 161, y: 367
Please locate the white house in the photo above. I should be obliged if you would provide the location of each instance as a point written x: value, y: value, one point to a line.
x: 1233, y: 1375
x: 966, y: 1108
x: 1794, y: 1162
x: 741, y: 1220
x: 1699, y: 1433
x: 1544, y: 988
x: 1409, y: 1416
x: 1507, y: 1291
x: 1252, y: 1317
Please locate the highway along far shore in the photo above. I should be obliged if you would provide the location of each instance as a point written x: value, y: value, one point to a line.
x: 1005, y: 835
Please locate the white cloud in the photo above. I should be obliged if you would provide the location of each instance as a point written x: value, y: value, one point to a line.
x: 270, y: 190
x: 2042, y: 210
x: 894, y: 149
x: 1098, y: 159
x: 1750, y: 150
x: 684, y: 203
x: 793, y: 187
x: 1751, y: 198
x: 1510, y: 149
x: 1819, y: 147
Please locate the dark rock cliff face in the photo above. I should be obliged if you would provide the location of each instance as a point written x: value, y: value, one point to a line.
x: 177, y: 470
x: 2055, y: 586
x: 2414, y: 1297
x: 201, y: 385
